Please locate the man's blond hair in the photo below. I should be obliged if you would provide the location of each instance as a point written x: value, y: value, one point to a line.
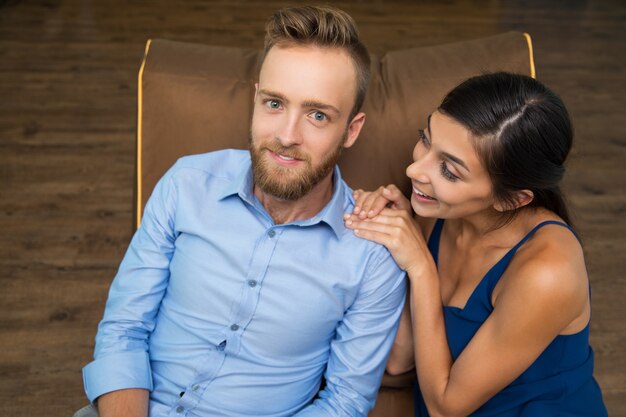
x: 323, y: 27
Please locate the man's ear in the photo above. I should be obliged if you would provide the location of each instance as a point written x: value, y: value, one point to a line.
x: 354, y: 128
x: 520, y: 199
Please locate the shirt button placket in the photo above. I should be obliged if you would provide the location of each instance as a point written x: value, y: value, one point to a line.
x: 249, y: 299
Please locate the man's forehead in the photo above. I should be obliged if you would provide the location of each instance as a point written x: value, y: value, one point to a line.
x: 307, y: 49
x: 309, y: 73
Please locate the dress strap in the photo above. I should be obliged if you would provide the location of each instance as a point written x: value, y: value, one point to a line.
x: 496, y: 271
x: 494, y: 274
x: 433, y: 240
x: 534, y: 230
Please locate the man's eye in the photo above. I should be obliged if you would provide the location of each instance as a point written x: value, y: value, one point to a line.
x: 273, y: 104
x: 319, y: 116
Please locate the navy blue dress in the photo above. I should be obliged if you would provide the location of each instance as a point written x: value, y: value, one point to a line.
x: 558, y: 383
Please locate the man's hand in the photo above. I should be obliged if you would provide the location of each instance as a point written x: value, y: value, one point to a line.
x: 131, y: 402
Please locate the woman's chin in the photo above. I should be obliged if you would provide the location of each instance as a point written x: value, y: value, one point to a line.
x: 430, y: 211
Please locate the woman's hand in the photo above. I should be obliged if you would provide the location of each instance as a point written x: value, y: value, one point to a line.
x: 369, y: 204
x: 395, y: 229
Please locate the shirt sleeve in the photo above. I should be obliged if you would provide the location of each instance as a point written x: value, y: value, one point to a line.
x: 362, y: 343
x: 121, y: 357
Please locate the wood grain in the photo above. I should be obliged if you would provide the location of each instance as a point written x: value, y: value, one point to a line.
x: 67, y: 128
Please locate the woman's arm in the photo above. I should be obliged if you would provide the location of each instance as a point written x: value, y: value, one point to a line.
x: 401, y: 358
x: 546, y: 292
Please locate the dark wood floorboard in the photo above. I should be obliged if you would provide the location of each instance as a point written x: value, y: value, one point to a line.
x: 68, y: 74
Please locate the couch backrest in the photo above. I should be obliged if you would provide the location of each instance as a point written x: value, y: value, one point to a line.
x: 195, y: 98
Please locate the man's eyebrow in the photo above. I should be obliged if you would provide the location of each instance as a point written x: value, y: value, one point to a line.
x: 319, y: 105
x: 306, y: 104
x: 446, y: 154
x: 273, y: 94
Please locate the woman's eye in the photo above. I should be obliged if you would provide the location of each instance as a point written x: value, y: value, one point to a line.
x: 422, y: 137
x: 447, y: 174
x: 319, y: 116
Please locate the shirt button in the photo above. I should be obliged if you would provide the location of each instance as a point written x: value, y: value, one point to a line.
x: 234, y: 327
x: 252, y: 283
x: 180, y: 409
x: 195, y: 387
x: 271, y: 233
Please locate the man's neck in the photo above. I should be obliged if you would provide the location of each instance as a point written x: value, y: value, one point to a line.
x: 287, y: 211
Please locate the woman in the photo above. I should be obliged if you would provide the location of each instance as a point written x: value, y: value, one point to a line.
x: 499, y: 294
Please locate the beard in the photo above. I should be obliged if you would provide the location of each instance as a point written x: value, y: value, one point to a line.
x: 289, y: 183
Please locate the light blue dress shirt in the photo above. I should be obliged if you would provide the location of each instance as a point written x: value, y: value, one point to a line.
x: 220, y: 312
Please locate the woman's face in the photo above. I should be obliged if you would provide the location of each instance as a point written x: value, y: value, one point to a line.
x: 449, y: 180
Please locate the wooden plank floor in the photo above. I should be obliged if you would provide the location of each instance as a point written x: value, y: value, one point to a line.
x: 67, y: 127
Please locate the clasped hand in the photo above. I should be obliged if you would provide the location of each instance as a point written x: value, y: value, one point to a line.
x: 385, y: 216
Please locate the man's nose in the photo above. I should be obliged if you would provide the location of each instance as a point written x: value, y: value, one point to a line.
x: 289, y: 133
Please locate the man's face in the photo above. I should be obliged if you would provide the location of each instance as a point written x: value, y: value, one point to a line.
x: 300, y: 121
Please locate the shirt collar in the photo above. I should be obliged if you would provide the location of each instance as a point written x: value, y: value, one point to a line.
x: 331, y: 214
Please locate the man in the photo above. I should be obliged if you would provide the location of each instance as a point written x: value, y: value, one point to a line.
x: 242, y: 287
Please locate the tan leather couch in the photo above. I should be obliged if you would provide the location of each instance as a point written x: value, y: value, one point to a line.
x: 197, y: 98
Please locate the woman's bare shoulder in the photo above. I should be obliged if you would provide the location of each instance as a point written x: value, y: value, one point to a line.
x: 549, y: 266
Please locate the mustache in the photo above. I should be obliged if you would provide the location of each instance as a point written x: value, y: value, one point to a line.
x: 288, y: 151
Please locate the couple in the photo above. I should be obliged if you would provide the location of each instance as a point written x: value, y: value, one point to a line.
x: 245, y: 284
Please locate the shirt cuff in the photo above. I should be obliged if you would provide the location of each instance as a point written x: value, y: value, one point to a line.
x: 117, y: 371
x: 312, y: 411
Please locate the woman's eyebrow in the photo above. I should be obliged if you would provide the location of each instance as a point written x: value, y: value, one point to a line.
x: 447, y: 155
x: 455, y: 160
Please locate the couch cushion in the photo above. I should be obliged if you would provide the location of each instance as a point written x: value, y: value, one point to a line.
x: 197, y: 98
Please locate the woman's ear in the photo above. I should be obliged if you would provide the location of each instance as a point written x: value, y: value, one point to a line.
x: 520, y: 199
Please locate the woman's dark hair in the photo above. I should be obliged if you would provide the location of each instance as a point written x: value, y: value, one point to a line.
x: 523, y: 135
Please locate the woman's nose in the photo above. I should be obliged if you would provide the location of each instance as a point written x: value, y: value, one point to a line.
x: 416, y: 171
